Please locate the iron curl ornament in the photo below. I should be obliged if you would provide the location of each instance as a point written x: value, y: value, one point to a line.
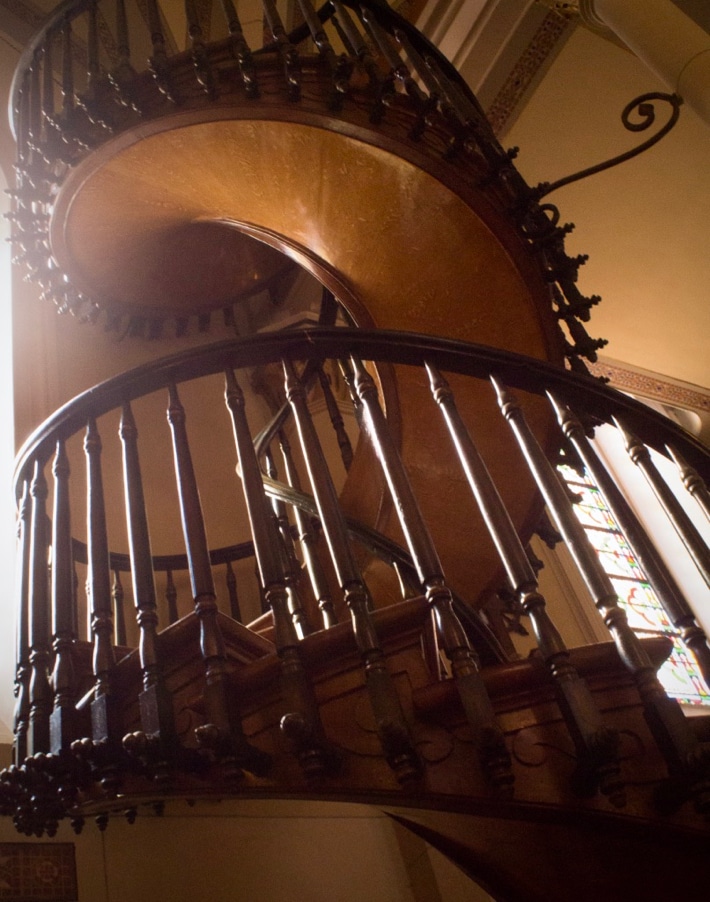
x: 644, y: 107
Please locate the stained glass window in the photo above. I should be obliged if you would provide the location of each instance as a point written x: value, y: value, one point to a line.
x: 680, y: 674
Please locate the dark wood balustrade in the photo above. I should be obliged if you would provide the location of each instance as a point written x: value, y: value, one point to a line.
x: 299, y: 629
x: 102, y: 74
x: 335, y: 691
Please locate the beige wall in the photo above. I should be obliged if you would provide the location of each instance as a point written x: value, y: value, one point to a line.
x: 270, y: 851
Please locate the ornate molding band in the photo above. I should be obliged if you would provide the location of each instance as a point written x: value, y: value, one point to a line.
x: 650, y: 385
x: 536, y: 54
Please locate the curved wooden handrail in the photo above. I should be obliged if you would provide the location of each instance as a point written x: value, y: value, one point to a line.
x: 221, y: 671
x: 419, y: 109
x: 72, y: 9
x: 529, y: 374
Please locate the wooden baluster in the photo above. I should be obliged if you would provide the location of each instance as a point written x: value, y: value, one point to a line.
x: 156, y: 708
x: 291, y: 564
x: 119, y: 617
x: 223, y: 733
x: 356, y: 46
x: 123, y: 46
x: 23, y: 127
x: 68, y: 99
x: 597, y: 746
x: 203, y: 70
x: 242, y: 50
x: 35, y: 105
x: 231, y: 583
x: 674, y: 602
x: 349, y: 34
x: 63, y: 719
x: 93, y: 70
x: 340, y: 66
x: 158, y: 61
x: 105, y: 720
x: 40, y: 689
x: 676, y: 741
x: 307, y: 542
x: 683, y: 525
x: 89, y: 99
x: 346, y: 449
x: 75, y: 585
x: 349, y: 379
x: 157, y: 38
x: 398, y: 73
x: 389, y: 718
x: 692, y: 480
x: 301, y: 724
x: 48, y: 98
x: 171, y: 597
x: 488, y: 738
x: 263, y: 603
x: 287, y: 52
x: 22, y: 653
x: 122, y: 73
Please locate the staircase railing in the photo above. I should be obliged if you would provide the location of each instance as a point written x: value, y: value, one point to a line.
x: 100, y: 68
x: 50, y: 724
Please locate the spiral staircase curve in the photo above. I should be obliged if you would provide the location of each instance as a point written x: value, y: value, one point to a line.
x: 169, y: 190
x: 179, y: 197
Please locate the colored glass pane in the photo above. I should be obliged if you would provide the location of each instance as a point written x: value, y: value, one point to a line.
x: 679, y: 675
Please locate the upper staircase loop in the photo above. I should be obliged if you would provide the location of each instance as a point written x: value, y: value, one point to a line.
x: 106, y: 119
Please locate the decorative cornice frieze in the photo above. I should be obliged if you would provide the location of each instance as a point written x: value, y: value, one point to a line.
x: 650, y: 385
x: 527, y: 68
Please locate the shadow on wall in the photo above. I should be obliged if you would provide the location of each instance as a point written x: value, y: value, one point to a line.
x: 222, y: 851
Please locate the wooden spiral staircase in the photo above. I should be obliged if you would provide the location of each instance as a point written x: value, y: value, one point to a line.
x: 159, y: 187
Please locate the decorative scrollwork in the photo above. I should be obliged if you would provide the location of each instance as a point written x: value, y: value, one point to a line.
x: 644, y: 107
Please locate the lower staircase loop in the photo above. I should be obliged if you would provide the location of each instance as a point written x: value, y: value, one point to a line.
x: 401, y: 694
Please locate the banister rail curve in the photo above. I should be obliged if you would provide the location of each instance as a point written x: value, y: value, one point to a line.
x: 413, y: 99
x: 583, y: 392
x: 72, y: 9
x: 317, y: 621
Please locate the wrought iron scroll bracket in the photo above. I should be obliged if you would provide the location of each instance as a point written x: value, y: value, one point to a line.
x: 646, y: 110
